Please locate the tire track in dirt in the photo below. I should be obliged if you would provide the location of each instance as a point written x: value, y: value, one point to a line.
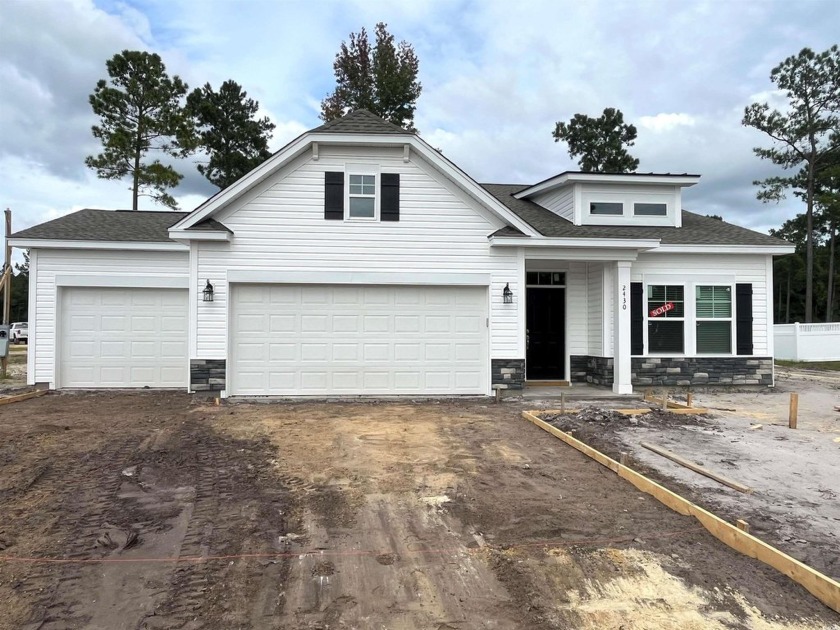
x: 88, y: 506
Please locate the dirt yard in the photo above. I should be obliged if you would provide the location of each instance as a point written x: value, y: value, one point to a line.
x: 151, y: 510
x: 795, y: 503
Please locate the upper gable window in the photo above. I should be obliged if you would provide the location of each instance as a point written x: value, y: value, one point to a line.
x: 361, y: 197
x: 650, y: 209
x: 606, y: 207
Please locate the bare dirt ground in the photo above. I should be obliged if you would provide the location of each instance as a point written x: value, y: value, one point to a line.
x: 150, y: 510
x: 795, y: 474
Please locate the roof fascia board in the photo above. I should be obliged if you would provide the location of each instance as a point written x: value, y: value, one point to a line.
x: 774, y: 250
x: 593, y: 178
x: 199, y: 235
x: 38, y: 243
x: 440, y: 162
x: 576, y: 243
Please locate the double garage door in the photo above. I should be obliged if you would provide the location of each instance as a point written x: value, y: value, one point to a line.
x: 122, y: 337
x: 322, y: 340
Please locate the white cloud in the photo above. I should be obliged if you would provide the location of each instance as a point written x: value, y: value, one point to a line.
x: 666, y: 122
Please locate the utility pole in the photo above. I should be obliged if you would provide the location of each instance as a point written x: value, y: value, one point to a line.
x: 7, y: 288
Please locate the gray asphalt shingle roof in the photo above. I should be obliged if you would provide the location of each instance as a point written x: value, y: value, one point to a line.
x: 360, y: 121
x: 112, y: 225
x: 696, y: 229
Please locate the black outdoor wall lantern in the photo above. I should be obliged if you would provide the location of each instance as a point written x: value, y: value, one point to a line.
x: 507, y: 294
x: 208, y: 292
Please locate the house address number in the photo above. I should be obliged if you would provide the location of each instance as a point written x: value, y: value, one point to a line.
x: 623, y: 297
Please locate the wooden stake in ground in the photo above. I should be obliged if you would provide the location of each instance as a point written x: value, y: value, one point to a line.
x: 794, y: 410
x: 688, y: 399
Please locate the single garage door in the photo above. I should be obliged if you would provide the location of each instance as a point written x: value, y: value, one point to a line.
x: 320, y: 340
x: 123, y: 337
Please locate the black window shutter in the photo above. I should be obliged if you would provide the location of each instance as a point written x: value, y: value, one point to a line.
x: 389, y: 209
x: 743, y: 318
x: 637, y: 318
x: 334, y: 196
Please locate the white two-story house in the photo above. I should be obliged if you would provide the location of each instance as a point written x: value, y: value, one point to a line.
x: 358, y: 260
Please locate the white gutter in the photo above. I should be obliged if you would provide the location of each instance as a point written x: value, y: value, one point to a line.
x: 199, y: 235
x: 39, y: 243
x: 575, y: 243
x: 773, y: 250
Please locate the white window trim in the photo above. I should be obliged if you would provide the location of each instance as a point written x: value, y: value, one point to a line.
x: 623, y: 206
x: 683, y: 319
x: 690, y: 319
x: 649, y: 203
x: 731, y: 318
x: 362, y: 169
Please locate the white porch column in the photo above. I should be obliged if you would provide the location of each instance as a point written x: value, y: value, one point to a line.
x: 621, y: 330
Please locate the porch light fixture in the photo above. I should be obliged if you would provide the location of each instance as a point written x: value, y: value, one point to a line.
x: 507, y: 294
x: 208, y: 292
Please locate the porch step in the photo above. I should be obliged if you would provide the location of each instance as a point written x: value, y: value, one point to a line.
x: 547, y: 384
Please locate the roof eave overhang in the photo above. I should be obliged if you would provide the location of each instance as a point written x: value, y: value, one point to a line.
x: 303, y: 143
x: 187, y: 236
x: 770, y: 250
x: 641, y: 245
x: 565, y: 179
x: 149, y: 246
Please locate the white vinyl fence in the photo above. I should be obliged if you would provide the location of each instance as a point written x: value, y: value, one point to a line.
x: 807, y: 342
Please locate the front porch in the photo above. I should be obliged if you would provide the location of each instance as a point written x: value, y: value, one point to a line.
x: 587, y: 322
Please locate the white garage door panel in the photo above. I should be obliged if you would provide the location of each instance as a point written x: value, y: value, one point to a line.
x: 123, y: 337
x: 356, y: 340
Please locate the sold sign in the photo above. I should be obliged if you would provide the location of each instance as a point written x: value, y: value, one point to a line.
x: 661, y: 310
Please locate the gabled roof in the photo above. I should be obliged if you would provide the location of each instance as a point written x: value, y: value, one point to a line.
x: 128, y: 226
x: 364, y: 128
x: 360, y: 121
x: 696, y: 229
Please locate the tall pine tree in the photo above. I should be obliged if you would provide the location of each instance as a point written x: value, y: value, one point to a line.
x: 228, y: 131
x: 801, y: 135
x: 140, y: 113
x: 600, y: 144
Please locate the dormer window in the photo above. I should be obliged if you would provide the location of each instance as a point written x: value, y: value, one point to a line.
x: 362, y: 197
x: 650, y: 209
x: 606, y: 208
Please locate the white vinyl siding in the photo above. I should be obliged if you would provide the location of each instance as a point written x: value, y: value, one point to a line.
x: 123, y: 337
x: 319, y: 340
x: 561, y: 202
x: 716, y: 269
x: 280, y: 227
x: 96, y: 264
x: 595, y: 307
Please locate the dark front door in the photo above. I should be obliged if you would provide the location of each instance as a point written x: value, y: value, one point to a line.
x: 545, y: 357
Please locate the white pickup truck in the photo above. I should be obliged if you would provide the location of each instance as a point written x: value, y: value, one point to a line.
x: 19, y: 332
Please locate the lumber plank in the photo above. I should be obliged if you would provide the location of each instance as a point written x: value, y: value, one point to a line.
x: 8, y: 400
x: 820, y: 586
x: 726, y: 481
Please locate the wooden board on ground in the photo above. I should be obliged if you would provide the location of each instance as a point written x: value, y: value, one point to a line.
x: 820, y: 586
x: 8, y: 400
x: 697, y: 468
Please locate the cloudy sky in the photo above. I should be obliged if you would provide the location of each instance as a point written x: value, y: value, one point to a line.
x: 495, y: 80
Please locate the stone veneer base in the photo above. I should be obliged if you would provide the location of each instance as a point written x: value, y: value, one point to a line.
x: 207, y: 375
x: 507, y: 373
x: 677, y: 372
